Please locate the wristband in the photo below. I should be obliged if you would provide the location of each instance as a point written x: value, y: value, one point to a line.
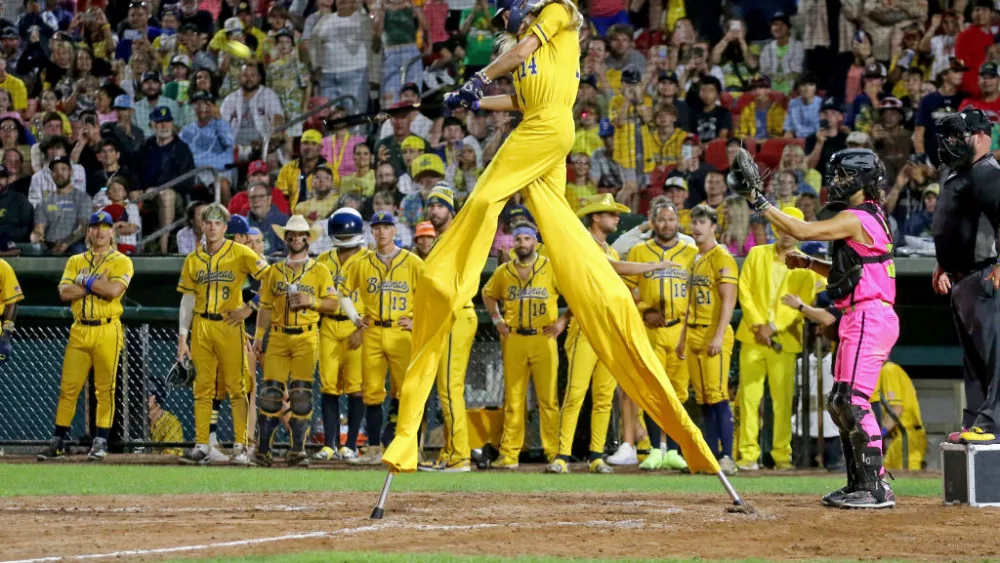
x: 760, y: 203
x: 90, y: 285
x: 801, y: 305
x: 885, y: 431
x: 496, y: 320
x: 7, y: 329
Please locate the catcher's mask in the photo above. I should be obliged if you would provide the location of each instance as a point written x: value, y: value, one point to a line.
x: 851, y: 170
x: 182, y: 374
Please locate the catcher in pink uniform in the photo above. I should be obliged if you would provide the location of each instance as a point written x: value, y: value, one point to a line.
x: 862, y: 283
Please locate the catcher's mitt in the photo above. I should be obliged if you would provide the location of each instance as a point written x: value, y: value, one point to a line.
x: 744, y: 177
x: 182, y: 374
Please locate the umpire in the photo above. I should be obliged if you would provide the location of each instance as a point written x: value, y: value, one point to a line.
x: 965, y: 234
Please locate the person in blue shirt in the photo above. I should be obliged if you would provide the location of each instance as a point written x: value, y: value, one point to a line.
x: 802, y: 117
x: 862, y: 117
x: 919, y: 224
x: 210, y: 139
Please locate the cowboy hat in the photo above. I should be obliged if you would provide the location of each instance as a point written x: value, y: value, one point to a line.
x: 298, y: 224
x: 604, y: 203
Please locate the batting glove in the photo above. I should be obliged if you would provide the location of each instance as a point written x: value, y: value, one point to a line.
x: 758, y: 202
x: 470, y: 93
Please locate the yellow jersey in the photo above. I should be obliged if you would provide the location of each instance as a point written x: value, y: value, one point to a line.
x: 551, y: 75
x: 10, y: 289
x: 313, y: 278
x: 216, y: 280
x: 341, y: 272
x: 111, y: 266
x: 710, y: 270
x: 664, y: 152
x: 386, y: 293
x: 167, y: 428
x: 626, y: 149
x: 664, y: 290
x: 527, y: 304
x: 897, y: 389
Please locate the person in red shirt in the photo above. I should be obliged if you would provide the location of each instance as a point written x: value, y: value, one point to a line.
x: 989, y: 91
x: 257, y: 172
x: 971, y: 44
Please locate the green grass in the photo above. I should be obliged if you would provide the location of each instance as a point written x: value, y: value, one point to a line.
x: 33, y: 480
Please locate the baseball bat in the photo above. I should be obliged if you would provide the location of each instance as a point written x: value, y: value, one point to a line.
x: 376, y: 118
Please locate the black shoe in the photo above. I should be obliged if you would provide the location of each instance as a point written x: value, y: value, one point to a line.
x: 54, y: 450
x: 262, y: 459
x: 836, y: 498
x: 881, y: 497
x: 99, y: 450
x: 194, y: 456
x: 296, y: 459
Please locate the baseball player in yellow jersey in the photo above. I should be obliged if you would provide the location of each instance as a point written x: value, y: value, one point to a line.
x: 542, y: 50
x: 340, y: 338
x: 211, y: 284
x: 455, y: 455
x: 707, y: 338
x: 528, y: 328
x: 896, y: 388
x: 387, y: 282
x: 291, y: 295
x: 10, y: 294
x: 94, y: 283
x: 663, y: 304
x: 771, y: 337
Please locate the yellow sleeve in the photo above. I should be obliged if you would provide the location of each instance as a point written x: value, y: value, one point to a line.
x: 615, y: 106
x: 187, y: 284
x: 324, y: 285
x: 416, y: 271
x: 494, y: 287
x: 18, y: 95
x: 122, y: 270
x: 747, y: 126
x: 726, y: 270
x: 69, y: 273
x: 284, y: 182
x: 252, y: 264
x: 553, y: 19
x: 10, y: 290
x: 751, y: 267
x: 266, y: 295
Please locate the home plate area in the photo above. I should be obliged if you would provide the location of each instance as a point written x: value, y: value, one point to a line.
x: 786, y: 527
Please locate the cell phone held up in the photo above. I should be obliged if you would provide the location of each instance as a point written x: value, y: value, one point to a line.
x: 824, y: 124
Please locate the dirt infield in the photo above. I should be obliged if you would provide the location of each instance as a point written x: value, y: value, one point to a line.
x: 592, y: 525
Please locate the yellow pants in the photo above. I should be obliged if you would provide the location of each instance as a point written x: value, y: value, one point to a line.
x: 756, y: 364
x: 535, y: 356
x: 249, y: 378
x: 384, y: 348
x: 451, y: 386
x: 291, y: 356
x: 709, y: 374
x: 584, y: 367
x: 664, y: 342
x: 217, y: 352
x: 916, y: 448
x: 91, y: 346
x: 339, y: 366
x: 533, y: 160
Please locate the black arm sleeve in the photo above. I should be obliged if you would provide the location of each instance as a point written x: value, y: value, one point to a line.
x: 986, y: 188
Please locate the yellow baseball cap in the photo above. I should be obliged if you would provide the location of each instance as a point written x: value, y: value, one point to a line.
x: 792, y: 212
x: 413, y: 142
x: 426, y: 163
x: 675, y: 182
x: 312, y: 136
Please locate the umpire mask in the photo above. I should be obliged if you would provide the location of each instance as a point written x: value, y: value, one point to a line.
x: 954, y: 149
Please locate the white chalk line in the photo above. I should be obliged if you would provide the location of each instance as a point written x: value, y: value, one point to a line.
x: 327, y: 534
x: 164, y: 510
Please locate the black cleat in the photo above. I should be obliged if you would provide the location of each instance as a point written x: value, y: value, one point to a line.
x: 881, y: 497
x: 55, y: 449
x: 262, y: 459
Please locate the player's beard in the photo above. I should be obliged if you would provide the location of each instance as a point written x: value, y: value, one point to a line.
x: 667, y: 238
x: 523, y: 253
x: 297, y: 246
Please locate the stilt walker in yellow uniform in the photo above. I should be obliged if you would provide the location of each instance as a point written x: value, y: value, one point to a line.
x: 454, y: 456
x: 291, y: 296
x: 211, y: 285
x: 771, y: 337
x: 664, y: 302
x: 340, y: 338
x: 10, y: 295
x: 528, y: 331
x: 94, y: 283
x: 543, y: 52
x: 387, y: 282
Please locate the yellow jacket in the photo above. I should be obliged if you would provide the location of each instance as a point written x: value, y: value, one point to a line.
x: 625, y: 137
x: 756, y: 279
x: 748, y: 121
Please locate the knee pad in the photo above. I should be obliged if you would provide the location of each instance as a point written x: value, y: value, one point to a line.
x: 300, y: 395
x: 838, y: 404
x: 272, y: 395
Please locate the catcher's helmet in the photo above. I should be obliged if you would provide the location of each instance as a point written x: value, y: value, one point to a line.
x: 346, y: 228
x: 518, y: 9
x: 6, y: 349
x: 851, y: 170
x: 182, y: 374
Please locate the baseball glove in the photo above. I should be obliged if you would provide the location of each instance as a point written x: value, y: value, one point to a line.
x: 744, y: 178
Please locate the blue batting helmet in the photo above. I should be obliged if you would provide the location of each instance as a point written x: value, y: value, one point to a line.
x: 346, y: 228
x: 518, y: 9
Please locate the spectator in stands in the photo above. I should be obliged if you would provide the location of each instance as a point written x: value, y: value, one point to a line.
x: 164, y: 158
x: 667, y: 90
x: 693, y: 171
x: 189, y: 237
x: 14, y: 86
x: 20, y: 179
x: 604, y: 170
x: 783, y: 188
x: 709, y: 120
x: 412, y: 147
x: 939, y: 40
x: 42, y: 181
x: 252, y: 35
x: 427, y: 170
x: 913, y: 83
x: 885, y: 21
x: 762, y: 118
x: 808, y: 204
x: 947, y: 99
x: 191, y: 14
x: 971, y: 43
x: 16, y: 215
x: 501, y: 125
x: 61, y: 215
x: 737, y: 236
x: 453, y: 137
x: 793, y: 159
x: 362, y: 181
x: 13, y: 135
x: 179, y: 86
x: 264, y: 215
x: 919, y: 224
x: 828, y: 139
x: 715, y: 194
x: 905, y: 198
x: 733, y: 54
x: 135, y: 29
x: 632, y: 113
x: 126, y: 216
x: 989, y: 91
x: 129, y: 136
x: 782, y: 59
x: 338, y: 149
x: 253, y: 112
x: 907, y: 56
x: 324, y: 199
x: 478, y: 33
x: 891, y: 141
x: 416, y: 123
x: 468, y: 171
x: 257, y: 173
x: 385, y: 180
x: 859, y: 140
x: 400, y: 22
x: 863, y: 109
x: 11, y: 47
x: 391, y: 148
x: 152, y: 89
x: 666, y: 139
x: 594, y: 70
x: 340, y: 46
x: 51, y: 127
x: 696, y: 65
x: 424, y: 238
x: 85, y: 151
x: 210, y: 139
x: 110, y: 157
x: 295, y: 179
x: 583, y: 186
x: 676, y: 190
x: 621, y: 51
x: 588, y: 117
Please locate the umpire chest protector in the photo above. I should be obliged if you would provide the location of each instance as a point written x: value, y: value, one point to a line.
x: 847, y: 265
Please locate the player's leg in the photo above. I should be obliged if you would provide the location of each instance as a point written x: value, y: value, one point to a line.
x: 375, y: 362
x: 582, y: 361
x: 451, y: 391
x: 350, y: 385
x: 516, y: 353
x: 544, y: 367
x: 753, y: 372
x: 400, y: 343
x: 300, y: 394
x: 75, y: 369
x: 607, y: 312
x: 781, y: 382
x: 451, y: 274
x: 206, y: 367
x: 679, y: 375
x: 717, y: 382
x: 106, y: 343
x: 331, y: 350
x: 602, y: 395
x: 231, y: 351
x: 277, y: 368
